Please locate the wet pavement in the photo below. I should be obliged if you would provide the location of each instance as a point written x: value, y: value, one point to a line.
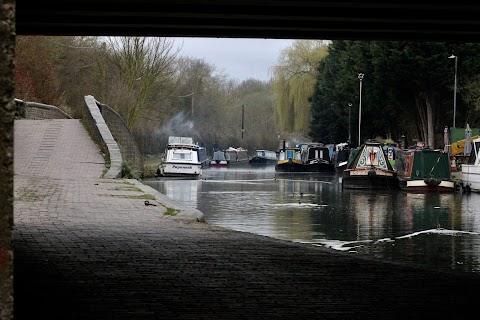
x: 89, y: 248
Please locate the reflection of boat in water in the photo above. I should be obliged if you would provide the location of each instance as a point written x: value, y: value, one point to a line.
x: 471, y: 170
x: 289, y: 160
x: 230, y: 157
x: 264, y: 157
x: 181, y: 158
x: 370, y: 169
x: 316, y: 158
x: 424, y: 170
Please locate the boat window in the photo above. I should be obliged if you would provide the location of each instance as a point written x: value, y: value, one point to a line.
x: 181, y: 156
x: 475, y: 153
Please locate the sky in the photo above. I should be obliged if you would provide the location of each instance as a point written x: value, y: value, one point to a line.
x: 239, y: 59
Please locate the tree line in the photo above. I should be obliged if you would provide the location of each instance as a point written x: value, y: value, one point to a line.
x: 157, y: 91
x: 407, y: 90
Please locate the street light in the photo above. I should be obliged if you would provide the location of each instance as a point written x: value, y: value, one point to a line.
x: 360, y: 77
x: 349, y: 135
x: 454, y: 89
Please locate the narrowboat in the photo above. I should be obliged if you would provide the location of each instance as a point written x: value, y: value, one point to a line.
x: 370, y: 169
x: 424, y: 170
x: 289, y: 160
x: 264, y: 157
x: 340, y: 156
x: 230, y: 157
x: 316, y: 158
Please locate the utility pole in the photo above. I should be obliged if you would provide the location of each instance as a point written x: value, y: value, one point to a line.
x: 243, y: 118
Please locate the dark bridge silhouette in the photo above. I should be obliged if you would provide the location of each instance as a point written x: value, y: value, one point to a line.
x: 288, y: 19
x: 77, y: 256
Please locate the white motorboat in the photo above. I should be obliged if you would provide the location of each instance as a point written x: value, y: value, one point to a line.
x: 471, y: 170
x: 181, y: 158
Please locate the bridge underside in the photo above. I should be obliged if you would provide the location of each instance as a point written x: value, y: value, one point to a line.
x: 289, y: 19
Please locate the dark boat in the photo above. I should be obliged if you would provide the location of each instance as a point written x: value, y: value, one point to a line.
x: 424, y: 170
x: 370, y: 169
x: 340, y: 156
x: 264, y: 157
x: 316, y: 158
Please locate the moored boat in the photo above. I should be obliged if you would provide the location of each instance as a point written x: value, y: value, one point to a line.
x: 219, y: 159
x: 264, y: 157
x: 289, y: 160
x: 471, y: 170
x: 181, y: 158
x: 424, y: 170
x: 316, y: 158
x: 340, y: 156
x: 229, y: 158
x: 369, y: 169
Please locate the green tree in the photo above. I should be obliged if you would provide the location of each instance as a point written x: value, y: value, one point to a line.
x: 407, y: 89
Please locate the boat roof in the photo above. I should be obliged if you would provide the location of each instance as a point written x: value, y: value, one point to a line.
x: 183, y: 146
x: 180, y: 140
x: 363, y: 157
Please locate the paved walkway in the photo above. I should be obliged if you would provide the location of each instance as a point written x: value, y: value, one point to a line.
x: 89, y: 248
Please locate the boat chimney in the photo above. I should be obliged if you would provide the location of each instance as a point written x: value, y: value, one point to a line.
x: 402, y: 142
x: 284, y: 145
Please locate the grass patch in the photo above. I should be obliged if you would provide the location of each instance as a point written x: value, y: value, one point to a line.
x: 150, y: 165
x: 126, y: 188
x: 172, y: 212
x: 150, y: 197
x: 127, y: 171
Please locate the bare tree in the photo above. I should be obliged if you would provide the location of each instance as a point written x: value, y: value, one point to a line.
x: 146, y: 70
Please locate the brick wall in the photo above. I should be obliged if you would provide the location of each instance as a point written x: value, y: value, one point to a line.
x: 38, y: 111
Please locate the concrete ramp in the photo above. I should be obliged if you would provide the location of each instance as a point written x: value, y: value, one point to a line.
x: 57, y: 148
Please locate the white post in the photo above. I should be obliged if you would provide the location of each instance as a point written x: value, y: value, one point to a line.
x: 360, y: 77
x: 454, y: 89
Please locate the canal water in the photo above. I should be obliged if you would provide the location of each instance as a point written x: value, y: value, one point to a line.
x: 438, y: 231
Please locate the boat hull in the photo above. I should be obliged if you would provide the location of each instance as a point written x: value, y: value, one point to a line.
x: 218, y: 163
x: 373, y: 179
x: 262, y: 161
x: 180, y: 169
x: 421, y: 185
x: 471, y: 177
x: 289, y: 166
x: 319, y: 167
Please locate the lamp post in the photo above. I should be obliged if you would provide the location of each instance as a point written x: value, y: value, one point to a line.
x: 360, y: 77
x: 454, y: 89
x: 349, y: 134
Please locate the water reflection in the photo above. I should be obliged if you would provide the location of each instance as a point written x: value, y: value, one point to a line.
x: 435, y: 230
